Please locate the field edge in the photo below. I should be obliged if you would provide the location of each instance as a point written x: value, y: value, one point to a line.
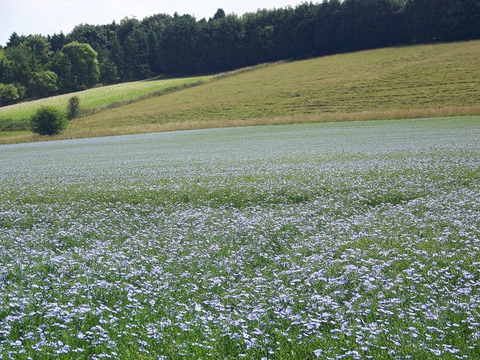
x: 26, y: 136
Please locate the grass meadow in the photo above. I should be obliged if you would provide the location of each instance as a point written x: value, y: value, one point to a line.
x: 101, y: 98
x: 391, y: 83
x: 356, y: 240
x: 415, y: 81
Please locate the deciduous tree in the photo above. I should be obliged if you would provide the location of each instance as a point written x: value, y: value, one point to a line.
x: 84, y: 64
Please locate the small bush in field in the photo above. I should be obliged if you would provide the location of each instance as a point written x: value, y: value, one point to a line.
x: 48, y: 120
x: 73, y: 107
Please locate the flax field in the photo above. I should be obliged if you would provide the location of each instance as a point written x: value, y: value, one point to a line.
x: 354, y: 240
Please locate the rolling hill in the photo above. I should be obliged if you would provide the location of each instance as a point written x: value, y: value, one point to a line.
x: 399, y: 82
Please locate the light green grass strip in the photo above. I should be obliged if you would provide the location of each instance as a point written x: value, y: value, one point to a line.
x: 100, y: 97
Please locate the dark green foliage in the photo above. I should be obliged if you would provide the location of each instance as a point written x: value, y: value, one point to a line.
x: 63, y: 68
x: 6, y: 69
x: 84, y: 65
x: 220, y: 14
x: 39, y: 48
x: 442, y: 20
x: 179, y: 43
x: 57, y: 41
x: 108, y: 72
x: 8, y: 94
x: 136, y: 66
x: 15, y: 40
x: 48, y: 120
x: 43, y: 83
x: 73, y: 107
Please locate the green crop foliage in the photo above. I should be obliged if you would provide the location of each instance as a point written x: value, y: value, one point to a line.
x: 333, y: 240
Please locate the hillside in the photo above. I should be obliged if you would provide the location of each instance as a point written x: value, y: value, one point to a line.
x: 99, y: 98
x: 414, y: 81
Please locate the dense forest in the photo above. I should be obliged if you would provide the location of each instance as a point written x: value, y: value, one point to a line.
x: 35, y: 66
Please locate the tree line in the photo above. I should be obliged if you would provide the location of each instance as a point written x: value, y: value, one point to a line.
x: 35, y: 66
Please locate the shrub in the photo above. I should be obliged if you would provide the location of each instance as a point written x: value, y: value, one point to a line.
x: 73, y: 107
x: 48, y: 120
x: 8, y: 94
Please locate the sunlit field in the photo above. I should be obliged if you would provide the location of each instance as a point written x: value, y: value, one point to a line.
x: 401, y: 82
x: 356, y: 240
x: 100, y: 98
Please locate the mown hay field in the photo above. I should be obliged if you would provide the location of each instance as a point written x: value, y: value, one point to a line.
x: 334, y: 240
x: 415, y: 81
x: 391, y: 83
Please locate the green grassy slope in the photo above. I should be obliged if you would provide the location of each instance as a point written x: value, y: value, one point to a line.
x: 385, y: 80
x: 415, y: 81
x: 96, y: 99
